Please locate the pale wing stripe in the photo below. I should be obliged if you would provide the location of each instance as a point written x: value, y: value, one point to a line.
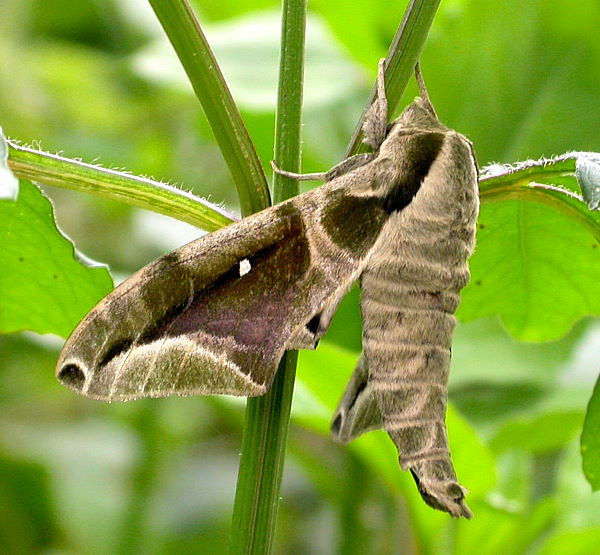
x: 188, y: 354
x: 153, y: 366
x: 120, y: 369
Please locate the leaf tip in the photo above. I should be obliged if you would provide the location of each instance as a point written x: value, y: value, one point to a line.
x: 587, y: 172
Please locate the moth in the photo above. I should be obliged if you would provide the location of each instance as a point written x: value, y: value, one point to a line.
x: 216, y: 315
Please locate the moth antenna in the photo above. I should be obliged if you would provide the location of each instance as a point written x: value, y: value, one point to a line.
x: 423, y: 89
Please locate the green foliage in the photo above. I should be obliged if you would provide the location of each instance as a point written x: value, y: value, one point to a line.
x: 45, y: 285
x: 529, y: 252
x: 539, y: 290
x: 28, y: 524
x: 519, y: 78
x: 590, y: 446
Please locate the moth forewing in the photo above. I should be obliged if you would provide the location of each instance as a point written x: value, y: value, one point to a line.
x: 193, y: 323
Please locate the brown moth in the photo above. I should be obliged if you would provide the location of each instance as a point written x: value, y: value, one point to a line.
x: 216, y: 315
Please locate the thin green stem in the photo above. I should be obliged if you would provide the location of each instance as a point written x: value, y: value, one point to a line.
x: 402, y: 57
x: 267, y: 417
x: 51, y: 169
x: 200, y: 65
x: 261, y: 464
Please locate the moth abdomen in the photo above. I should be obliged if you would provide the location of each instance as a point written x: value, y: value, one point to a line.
x: 410, y: 291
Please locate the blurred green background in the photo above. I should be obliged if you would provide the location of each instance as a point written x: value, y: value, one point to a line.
x: 98, y: 81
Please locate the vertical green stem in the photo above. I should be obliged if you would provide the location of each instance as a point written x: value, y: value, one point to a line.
x: 403, y: 54
x: 289, y: 99
x: 267, y: 417
x: 261, y: 464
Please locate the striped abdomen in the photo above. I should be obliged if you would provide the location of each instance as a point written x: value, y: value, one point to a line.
x: 410, y: 291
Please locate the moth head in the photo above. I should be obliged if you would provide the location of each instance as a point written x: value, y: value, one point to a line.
x: 419, y: 115
x: 421, y: 112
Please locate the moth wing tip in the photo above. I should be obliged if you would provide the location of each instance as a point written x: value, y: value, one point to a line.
x: 336, y: 428
x: 72, y: 375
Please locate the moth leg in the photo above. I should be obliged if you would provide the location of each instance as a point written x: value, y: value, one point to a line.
x: 343, y: 167
x: 358, y: 411
x: 374, y: 129
x: 350, y: 164
x: 321, y: 176
x: 375, y: 123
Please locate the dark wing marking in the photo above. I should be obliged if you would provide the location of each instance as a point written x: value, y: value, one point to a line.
x: 419, y: 154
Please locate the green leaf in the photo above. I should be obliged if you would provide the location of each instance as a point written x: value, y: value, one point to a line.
x: 536, y: 263
x: 51, y: 169
x: 324, y: 372
x: 474, y: 461
x: 45, y: 286
x: 573, y: 542
x: 534, y: 267
x: 28, y: 516
x: 590, y: 440
x: 500, y: 531
x: 556, y: 182
x: 541, y: 433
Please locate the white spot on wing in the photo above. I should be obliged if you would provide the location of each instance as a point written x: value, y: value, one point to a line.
x: 244, y: 267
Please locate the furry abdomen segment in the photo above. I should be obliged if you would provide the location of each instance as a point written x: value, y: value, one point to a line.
x: 407, y: 345
x: 410, y: 291
x: 407, y: 337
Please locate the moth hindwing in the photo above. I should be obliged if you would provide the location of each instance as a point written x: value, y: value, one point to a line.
x: 216, y: 315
